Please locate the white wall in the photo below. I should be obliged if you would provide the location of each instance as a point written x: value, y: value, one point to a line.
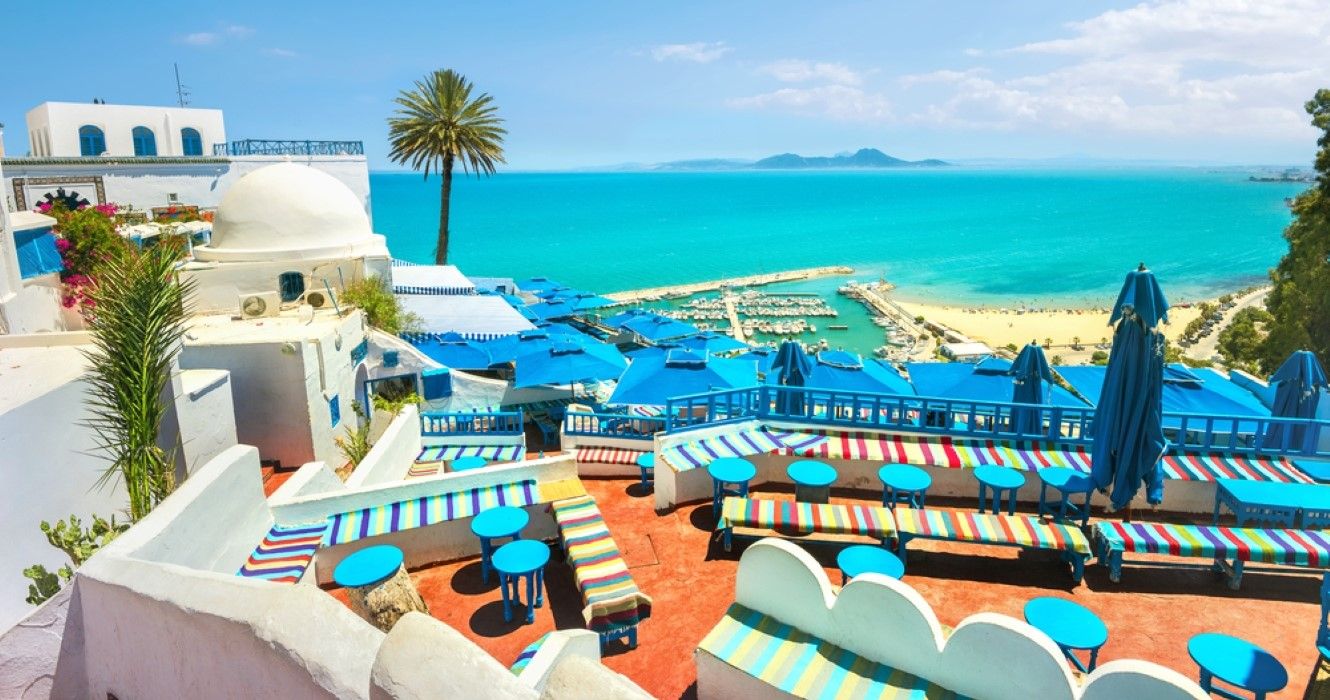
x: 204, y: 416
x: 147, y: 184
x: 219, y: 286
x: 53, y: 127
x: 394, y: 453
x: 779, y: 579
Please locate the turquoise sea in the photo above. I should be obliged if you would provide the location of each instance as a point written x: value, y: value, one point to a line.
x: 959, y: 235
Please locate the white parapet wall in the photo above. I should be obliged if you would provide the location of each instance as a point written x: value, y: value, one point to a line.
x: 394, y: 453
x: 886, y: 621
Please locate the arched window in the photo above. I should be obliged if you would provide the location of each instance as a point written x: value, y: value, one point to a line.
x: 145, y: 142
x: 291, y: 285
x: 92, y: 142
x: 191, y: 144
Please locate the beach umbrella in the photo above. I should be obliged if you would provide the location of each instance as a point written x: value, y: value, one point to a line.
x: 651, y: 351
x: 712, y: 342
x: 655, y: 328
x: 792, y: 368
x: 764, y: 355
x: 1029, y: 373
x: 846, y: 371
x: 552, y: 309
x: 586, y: 301
x: 507, y: 348
x: 653, y: 380
x: 1128, y: 431
x: 536, y: 285
x: 617, y: 320
x: 454, y: 351
x: 1299, y: 383
x: 565, y: 360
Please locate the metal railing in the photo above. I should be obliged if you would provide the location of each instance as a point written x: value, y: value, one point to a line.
x: 986, y: 419
x: 283, y: 147
x: 436, y: 423
x: 616, y: 425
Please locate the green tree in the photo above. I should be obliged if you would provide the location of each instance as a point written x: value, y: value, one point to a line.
x: 1299, y: 302
x: 440, y: 124
x: 138, y: 319
x: 381, y: 307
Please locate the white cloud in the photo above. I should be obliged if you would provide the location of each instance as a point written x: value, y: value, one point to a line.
x: 696, y: 52
x: 839, y: 102
x: 798, y: 71
x: 1174, y: 67
x: 281, y: 53
x: 214, y: 37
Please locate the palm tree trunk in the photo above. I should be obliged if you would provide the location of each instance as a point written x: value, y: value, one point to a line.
x: 445, y: 194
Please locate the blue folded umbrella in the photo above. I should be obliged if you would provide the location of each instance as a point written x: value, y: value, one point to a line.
x: 1299, y: 383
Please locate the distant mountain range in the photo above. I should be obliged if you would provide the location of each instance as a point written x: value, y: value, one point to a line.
x: 862, y: 158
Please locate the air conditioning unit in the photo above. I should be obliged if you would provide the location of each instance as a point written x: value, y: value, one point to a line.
x: 260, y: 305
x: 318, y: 299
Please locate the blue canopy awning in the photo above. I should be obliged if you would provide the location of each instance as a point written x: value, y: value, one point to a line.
x: 617, y: 320
x: 654, y: 379
x: 566, y: 359
x: 1200, y: 390
x: 986, y: 381
x: 710, y: 341
x: 656, y: 328
x: 846, y: 371
x: 537, y: 285
x: 453, y: 351
x: 507, y: 349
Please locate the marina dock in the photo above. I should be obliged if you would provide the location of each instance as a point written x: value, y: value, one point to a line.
x: 657, y: 293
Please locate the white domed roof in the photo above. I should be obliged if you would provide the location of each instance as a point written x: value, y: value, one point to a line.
x: 288, y: 211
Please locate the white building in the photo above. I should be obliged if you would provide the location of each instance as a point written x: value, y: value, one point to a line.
x: 30, y: 268
x: 74, y: 129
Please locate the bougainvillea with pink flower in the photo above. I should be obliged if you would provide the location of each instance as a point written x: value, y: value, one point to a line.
x: 86, y: 238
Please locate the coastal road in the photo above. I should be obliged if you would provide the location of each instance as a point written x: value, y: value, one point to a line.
x: 1208, y: 346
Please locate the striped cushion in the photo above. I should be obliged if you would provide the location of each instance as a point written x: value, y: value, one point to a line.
x: 824, y: 518
x: 944, y: 451
x: 612, y: 598
x: 423, y: 469
x: 427, y: 510
x: 284, y: 553
x: 527, y: 654
x: 608, y: 455
x: 1272, y: 546
x: 493, y: 453
x: 986, y: 528
x: 741, y: 443
x: 805, y: 666
x: 1190, y: 466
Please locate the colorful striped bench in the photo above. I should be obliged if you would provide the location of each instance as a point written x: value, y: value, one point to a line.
x: 284, y: 554
x: 427, y: 510
x: 1027, y: 531
x: 820, y: 518
x: 805, y: 666
x: 527, y: 655
x: 613, y: 604
x: 1228, y: 547
x: 493, y: 453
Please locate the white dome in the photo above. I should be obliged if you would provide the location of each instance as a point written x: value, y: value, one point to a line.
x: 289, y: 211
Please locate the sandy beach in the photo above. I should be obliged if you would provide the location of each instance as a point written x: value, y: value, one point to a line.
x: 999, y: 327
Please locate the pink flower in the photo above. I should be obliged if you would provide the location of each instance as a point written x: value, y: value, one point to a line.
x: 63, y: 245
x: 108, y: 209
x: 44, y: 207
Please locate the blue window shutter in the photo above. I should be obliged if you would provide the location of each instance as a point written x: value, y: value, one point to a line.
x: 37, y: 254
x: 191, y: 144
x: 335, y: 408
x: 438, y: 383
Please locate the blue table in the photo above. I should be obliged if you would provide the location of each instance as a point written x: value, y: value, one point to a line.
x: 1071, y: 626
x: 368, y: 566
x: 902, y: 483
x: 1238, y: 663
x: 999, y: 479
x: 724, y: 472
x: 1067, y: 482
x: 462, y: 464
x: 495, y: 524
x: 1274, y: 504
x: 859, y: 558
x: 517, y: 560
x: 812, y: 480
x: 646, y: 462
x: 1316, y: 469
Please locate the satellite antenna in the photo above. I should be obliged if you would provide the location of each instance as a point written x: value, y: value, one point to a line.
x: 181, y: 91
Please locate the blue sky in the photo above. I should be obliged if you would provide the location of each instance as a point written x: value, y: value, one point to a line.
x: 584, y: 84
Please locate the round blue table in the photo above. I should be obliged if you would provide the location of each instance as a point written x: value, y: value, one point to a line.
x: 812, y: 480
x: 859, y: 558
x: 517, y: 560
x: 646, y: 462
x: 1236, y: 662
x: 999, y: 479
x: 368, y: 566
x: 902, y: 483
x: 726, y: 471
x: 1071, y: 626
x: 1067, y: 482
x: 462, y: 464
x: 494, y: 524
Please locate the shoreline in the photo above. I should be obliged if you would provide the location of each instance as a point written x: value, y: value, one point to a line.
x: 799, y: 275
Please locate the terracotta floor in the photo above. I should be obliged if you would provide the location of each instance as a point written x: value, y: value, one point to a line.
x: 1150, y: 615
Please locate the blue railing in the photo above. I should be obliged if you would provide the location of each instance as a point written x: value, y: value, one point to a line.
x: 433, y: 423
x: 985, y: 419
x: 616, y: 425
x: 283, y: 147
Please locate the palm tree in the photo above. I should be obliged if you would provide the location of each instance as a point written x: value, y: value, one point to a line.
x: 439, y: 124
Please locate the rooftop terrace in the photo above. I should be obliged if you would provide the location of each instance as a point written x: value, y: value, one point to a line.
x: 675, y: 559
